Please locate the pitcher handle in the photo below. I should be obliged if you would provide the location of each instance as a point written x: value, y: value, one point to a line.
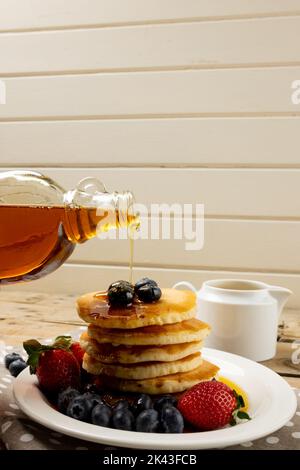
x: 186, y: 284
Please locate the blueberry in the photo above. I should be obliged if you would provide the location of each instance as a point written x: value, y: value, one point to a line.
x: 147, y: 421
x: 17, y: 366
x: 120, y: 294
x: 101, y: 415
x: 123, y: 419
x: 124, y: 284
x: 65, y: 397
x: 149, y: 293
x: 80, y: 408
x: 143, y: 402
x: 91, y: 388
x: 144, y: 282
x: 11, y: 357
x: 93, y: 398
x: 171, y: 420
x: 165, y: 401
x: 121, y: 405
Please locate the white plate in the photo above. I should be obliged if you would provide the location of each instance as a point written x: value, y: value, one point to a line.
x: 272, y: 404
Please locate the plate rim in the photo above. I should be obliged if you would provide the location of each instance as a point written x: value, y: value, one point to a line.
x: 283, y: 393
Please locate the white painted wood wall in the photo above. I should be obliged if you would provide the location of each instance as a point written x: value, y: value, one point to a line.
x: 176, y: 100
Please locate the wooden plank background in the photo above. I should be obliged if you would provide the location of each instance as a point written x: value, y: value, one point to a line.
x: 243, y: 92
x: 167, y: 46
x: 177, y: 101
x: 52, y: 14
x: 185, y: 142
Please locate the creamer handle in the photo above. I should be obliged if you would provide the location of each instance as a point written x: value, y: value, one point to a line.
x: 281, y: 294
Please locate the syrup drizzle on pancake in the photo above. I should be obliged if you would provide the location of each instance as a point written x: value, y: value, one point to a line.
x: 174, y: 306
x: 171, y: 300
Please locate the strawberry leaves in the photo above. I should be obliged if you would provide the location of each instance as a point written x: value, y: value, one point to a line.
x: 239, y: 400
x: 34, y: 349
x: 237, y: 414
x: 243, y: 415
x: 62, y: 342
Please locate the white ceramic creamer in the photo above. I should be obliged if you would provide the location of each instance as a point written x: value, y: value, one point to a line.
x: 243, y: 315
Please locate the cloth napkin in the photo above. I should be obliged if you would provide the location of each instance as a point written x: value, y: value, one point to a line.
x: 17, y: 432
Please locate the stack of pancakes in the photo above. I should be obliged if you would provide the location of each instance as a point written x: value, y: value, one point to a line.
x: 145, y: 348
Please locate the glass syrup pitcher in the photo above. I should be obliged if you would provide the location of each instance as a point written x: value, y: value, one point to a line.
x: 40, y: 223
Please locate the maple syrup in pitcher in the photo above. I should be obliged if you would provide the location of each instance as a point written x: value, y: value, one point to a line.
x: 40, y: 223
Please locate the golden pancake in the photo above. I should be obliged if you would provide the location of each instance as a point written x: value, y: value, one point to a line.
x: 173, y: 383
x: 144, y: 370
x: 122, y: 354
x: 174, y: 306
x: 175, y: 333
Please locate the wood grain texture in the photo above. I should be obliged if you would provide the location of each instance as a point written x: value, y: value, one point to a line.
x: 225, y: 192
x: 290, y: 327
x: 282, y: 363
x: 292, y: 381
x: 245, y: 91
x: 24, y: 316
x: 152, y: 142
x: 34, y: 14
x: 204, y: 45
x: 82, y: 278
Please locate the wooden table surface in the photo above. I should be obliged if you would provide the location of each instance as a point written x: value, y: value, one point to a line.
x: 38, y: 315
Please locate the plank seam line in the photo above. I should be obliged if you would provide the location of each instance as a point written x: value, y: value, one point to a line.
x: 244, y: 270
x: 175, y: 168
x: 126, y: 24
x: 153, y: 116
x: 132, y: 70
x: 155, y: 166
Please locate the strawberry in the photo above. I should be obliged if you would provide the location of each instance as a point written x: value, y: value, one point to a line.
x: 78, y: 352
x: 211, y: 405
x: 55, y: 366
